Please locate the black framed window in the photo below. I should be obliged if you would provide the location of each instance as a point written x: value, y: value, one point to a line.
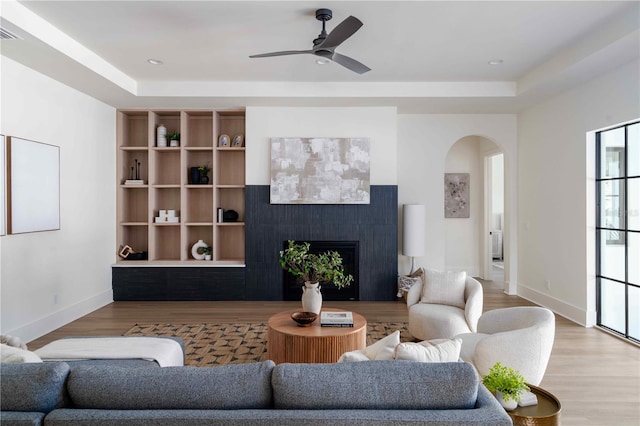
x: 618, y: 230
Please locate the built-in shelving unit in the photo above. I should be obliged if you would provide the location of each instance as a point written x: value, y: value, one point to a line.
x: 167, y: 186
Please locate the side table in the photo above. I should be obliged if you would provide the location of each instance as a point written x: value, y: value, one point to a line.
x: 288, y: 342
x: 545, y: 413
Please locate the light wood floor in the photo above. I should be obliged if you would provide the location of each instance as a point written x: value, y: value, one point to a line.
x: 595, y: 375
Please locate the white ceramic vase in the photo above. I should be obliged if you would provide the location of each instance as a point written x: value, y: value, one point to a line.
x: 194, y: 250
x: 311, y: 297
x: 161, y: 136
x: 507, y: 405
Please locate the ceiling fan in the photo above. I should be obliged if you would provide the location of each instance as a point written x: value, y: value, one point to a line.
x: 325, y: 45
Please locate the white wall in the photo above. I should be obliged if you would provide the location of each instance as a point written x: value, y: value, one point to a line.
x: 556, y: 196
x: 379, y: 124
x: 497, y: 191
x: 462, y: 234
x: 51, y: 278
x: 423, y: 144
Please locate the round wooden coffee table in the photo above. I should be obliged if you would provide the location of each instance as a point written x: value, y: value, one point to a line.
x: 545, y: 413
x: 288, y: 342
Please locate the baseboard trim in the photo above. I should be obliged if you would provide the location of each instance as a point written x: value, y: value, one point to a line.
x: 62, y: 317
x: 566, y: 310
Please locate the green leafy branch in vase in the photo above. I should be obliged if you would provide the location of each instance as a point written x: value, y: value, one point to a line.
x: 323, y: 267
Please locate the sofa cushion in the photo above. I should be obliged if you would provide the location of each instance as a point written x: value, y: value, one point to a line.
x: 375, y: 385
x: 444, y: 288
x: 438, y: 350
x: 238, y: 386
x: 37, y: 387
x: 21, y: 418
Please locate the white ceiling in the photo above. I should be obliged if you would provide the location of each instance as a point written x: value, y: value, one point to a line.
x: 426, y: 56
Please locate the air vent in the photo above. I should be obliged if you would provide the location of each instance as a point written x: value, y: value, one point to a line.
x: 8, y: 35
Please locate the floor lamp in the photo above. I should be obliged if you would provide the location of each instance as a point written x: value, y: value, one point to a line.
x: 413, y: 231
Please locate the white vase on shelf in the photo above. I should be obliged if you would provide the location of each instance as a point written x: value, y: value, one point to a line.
x: 311, y: 297
x: 194, y: 250
x: 161, y: 136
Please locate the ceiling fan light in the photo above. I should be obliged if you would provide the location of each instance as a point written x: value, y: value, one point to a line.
x: 322, y: 61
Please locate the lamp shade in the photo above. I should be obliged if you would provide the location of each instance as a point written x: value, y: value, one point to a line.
x: 413, y: 229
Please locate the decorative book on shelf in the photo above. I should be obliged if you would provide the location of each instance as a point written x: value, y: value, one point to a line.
x: 134, y: 182
x: 336, y: 319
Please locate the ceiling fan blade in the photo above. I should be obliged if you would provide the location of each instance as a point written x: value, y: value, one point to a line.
x: 350, y: 63
x: 283, y: 53
x: 341, y: 32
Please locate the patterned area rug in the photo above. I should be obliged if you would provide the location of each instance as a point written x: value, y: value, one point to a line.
x: 238, y: 343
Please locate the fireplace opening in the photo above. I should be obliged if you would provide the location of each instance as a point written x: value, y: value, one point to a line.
x: 348, y: 250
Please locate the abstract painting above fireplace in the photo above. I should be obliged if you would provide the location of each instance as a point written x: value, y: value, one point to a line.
x: 320, y: 171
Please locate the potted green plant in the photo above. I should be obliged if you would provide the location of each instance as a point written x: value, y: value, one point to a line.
x: 173, y: 138
x: 313, y: 269
x: 507, y: 384
x: 204, y: 173
x: 207, y: 251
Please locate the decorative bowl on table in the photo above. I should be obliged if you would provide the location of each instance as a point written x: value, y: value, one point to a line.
x: 304, y: 319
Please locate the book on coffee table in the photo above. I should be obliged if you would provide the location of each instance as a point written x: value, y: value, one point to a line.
x: 336, y: 319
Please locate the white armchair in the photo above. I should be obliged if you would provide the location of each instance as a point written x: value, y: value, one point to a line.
x: 519, y: 337
x: 437, y: 321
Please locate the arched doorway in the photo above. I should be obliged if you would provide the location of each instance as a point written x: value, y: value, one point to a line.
x: 473, y: 243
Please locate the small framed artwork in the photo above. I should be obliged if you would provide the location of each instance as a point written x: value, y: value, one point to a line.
x: 224, y: 141
x: 456, y: 195
x: 238, y: 141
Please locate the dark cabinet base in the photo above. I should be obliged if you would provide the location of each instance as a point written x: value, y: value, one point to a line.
x: 177, y: 283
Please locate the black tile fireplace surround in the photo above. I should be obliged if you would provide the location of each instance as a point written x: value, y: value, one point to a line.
x: 374, y: 226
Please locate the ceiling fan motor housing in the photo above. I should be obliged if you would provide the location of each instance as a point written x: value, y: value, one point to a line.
x: 322, y: 15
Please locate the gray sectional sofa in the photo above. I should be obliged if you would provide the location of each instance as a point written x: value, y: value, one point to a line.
x: 363, y: 393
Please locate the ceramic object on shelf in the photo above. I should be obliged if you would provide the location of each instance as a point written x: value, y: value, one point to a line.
x: 161, y: 136
x: 229, y: 216
x: 195, y: 175
x: 195, y: 252
x: 311, y: 298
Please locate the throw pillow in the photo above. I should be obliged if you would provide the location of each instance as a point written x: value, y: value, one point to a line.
x: 383, y: 349
x: 444, y: 288
x: 440, y: 350
x: 11, y: 354
x: 353, y: 356
x: 12, y: 341
x: 406, y: 282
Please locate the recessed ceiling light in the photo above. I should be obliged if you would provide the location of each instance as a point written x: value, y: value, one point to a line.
x: 154, y: 61
x: 322, y: 61
x: 495, y: 62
